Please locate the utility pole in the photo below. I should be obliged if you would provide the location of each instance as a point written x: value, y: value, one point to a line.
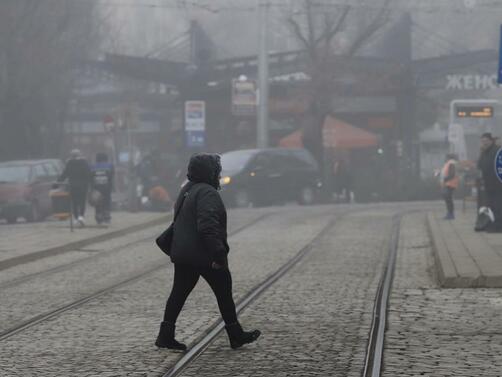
x: 193, y: 43
x: 4, y: 84
x: 262, y: 126
x: 129, y: 123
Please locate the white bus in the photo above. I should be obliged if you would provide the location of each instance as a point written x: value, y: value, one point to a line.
x: 469, y: 119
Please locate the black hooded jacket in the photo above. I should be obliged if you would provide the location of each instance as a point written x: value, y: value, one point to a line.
x: 78, y: 173
x: 200, y: 230
x: 486, y: 164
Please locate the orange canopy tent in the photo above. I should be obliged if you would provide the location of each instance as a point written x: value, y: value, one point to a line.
x: 336, y: 134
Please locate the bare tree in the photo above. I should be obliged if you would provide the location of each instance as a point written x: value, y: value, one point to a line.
x: 327, y: 32
x: 41, y: 43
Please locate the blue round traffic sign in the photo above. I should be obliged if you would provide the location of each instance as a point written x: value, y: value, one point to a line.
x: 498, y: 164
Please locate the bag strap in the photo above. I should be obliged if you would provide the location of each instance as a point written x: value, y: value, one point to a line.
x: 181, y: 205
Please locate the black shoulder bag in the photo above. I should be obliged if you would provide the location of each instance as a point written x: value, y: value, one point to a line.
x: 165, y: 240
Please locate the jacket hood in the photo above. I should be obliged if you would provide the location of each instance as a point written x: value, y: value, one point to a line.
x: 205, y: 168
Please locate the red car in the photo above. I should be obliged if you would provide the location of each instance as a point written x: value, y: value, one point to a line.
x: 24, y: 188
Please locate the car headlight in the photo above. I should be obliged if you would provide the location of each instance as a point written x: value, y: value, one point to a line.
x: 225, y: 180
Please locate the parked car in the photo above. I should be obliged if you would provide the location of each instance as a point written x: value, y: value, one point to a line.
x: 269, y: 176
x: 24, y: 188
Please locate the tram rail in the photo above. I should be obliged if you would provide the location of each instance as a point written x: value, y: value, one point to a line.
x: 375, y: 348
x: 13, y: 330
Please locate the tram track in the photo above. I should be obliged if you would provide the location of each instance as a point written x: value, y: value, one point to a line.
x: 93, y: 256
x: 58, y: 250
x: 67, y: 266
x: 374, y: 354
x: 13, y: 330
x: 375, y: 347
x: 203, y: 343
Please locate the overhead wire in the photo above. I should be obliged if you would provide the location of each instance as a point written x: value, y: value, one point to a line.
x: 179, y: 5
x: 183, y: 5
x: 454, y: 46
x: 165, y: 46
x: 433, y: 34
x: 440, y: 44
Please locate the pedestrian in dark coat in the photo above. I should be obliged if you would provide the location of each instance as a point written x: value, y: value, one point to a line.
x: 78, y: 173
x: 199, y: 248
x: 103, y: 173
x: 492, y: 185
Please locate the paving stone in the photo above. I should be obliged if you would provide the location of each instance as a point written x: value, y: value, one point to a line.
x: 119, y: 328
x: 464, y: 258
x: 440, y: 332
x: 315, y: 320
x: 115, y: 261
x: 21, y: 239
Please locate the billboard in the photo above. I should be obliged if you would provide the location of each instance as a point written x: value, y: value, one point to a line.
x: 244, y: 97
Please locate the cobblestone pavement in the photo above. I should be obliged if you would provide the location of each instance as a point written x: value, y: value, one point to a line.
x: 114, y: 335
x: 114, y: 245
x: 110, y: 262
x: 238, y: 218
x: 438, y: 332
x: 315, y: 321
x: 25, y: 238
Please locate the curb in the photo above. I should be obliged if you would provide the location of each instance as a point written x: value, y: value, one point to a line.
x: 12, y: 262
x: 462, y: 261
x: 447, y: 273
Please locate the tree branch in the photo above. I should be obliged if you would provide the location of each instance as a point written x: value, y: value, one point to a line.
x: 376, y: 24
x: 330, y: 29
x: 298, y: 32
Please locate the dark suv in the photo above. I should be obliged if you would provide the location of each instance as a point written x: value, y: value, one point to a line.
x: 24, y: 188
x: 269, y: 176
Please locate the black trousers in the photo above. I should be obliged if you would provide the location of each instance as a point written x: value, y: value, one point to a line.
x: 78, y: 200
x: 448, y: 198
x: 494, y: 200
x: 185, y: 279
x: 104, y: 207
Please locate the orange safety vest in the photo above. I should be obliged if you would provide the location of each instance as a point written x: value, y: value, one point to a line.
x: 451, y: 183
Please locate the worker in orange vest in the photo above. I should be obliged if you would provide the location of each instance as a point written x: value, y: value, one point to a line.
x: 449, y: 183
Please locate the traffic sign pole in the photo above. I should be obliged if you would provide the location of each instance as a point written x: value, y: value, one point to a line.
x: 195, y: 124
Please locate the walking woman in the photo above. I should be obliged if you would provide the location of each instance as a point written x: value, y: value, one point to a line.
x: 199, y: 248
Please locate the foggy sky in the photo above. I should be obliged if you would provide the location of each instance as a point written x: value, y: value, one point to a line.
x: 142, y: 31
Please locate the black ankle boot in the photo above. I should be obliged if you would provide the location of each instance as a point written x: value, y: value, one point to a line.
x: 239, y: 337
x: 165, y: 339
